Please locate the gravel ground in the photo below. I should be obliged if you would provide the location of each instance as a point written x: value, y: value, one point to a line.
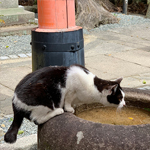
x: 27, y: 127
x: 125, y: 21
x: 13, y: 45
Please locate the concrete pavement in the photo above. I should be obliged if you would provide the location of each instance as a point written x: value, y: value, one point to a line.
x: 108, y: 54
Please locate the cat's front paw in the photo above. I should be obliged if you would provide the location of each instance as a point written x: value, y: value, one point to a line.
x: 70, y: 109
x: 59, y: 111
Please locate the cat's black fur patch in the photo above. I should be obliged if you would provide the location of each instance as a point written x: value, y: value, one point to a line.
x: 103, y: 84
x: 39, y: 87
x: 115, y: 97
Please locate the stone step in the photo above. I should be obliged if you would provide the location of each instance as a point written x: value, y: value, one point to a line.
x: 17, y: 29
x: 14, y: 16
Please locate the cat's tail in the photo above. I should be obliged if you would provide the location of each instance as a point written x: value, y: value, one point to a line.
x: 11, y: 134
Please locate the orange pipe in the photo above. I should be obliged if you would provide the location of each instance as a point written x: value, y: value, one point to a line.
x: 56, y: 14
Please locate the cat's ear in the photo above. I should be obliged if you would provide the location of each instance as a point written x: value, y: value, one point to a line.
x: 119, y: 80
x: 112, y: 88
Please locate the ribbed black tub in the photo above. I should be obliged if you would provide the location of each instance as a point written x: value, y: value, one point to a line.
x: 57, y: 48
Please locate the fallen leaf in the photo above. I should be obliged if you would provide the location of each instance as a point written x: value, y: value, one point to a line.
x: 130, y: 118
x: 2, y: 125
x: 7, y: 46
x: 2, y: 21
x: 20, y: 132
x: 11, y: 119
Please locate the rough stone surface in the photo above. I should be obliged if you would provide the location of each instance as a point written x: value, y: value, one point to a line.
x: 13, y: 16
x: 17, y: 30
x: 61, y: 132
x: 8, y: 4
x: 69, y: 132
x: 25, y: 143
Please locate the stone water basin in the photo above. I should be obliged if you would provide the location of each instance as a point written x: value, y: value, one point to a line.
x: 71, y: 132
x: 110, y: 115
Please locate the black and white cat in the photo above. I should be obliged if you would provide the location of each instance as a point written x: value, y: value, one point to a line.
x: 50, y: 91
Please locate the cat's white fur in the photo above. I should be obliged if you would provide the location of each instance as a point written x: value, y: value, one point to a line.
x: 81, y: 91
x: 39, y: 113
x: 122, y: 103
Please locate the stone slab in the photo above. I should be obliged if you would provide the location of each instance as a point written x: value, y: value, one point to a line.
x: 8, y: 4
x: 16, y: 63
x: 14, y: 16
x: 10, y: 77
x: 6, y: 95
x: 126, y: 39
x: 115, y: 66
x: 12, y: 71
x: 135, y: 56
x: 17, y: 30
x: 134, y: 32
x: 25, y: 143
x: 103, y: 47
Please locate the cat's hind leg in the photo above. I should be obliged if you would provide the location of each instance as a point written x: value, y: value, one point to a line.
x: 40, y: 117
x: 11, y: 134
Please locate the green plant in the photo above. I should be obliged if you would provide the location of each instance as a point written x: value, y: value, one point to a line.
x: 20, y: 132
x: 11, y: 119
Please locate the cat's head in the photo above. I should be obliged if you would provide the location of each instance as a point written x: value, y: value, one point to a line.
x: 115, y: 94
x: 112, y: 93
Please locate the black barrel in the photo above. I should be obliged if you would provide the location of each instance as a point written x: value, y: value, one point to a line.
x: 57, y: 48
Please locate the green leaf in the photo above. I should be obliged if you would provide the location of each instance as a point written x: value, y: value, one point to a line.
x: 7, y: 46
x: 11, y: 119
x: 20, y: 132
